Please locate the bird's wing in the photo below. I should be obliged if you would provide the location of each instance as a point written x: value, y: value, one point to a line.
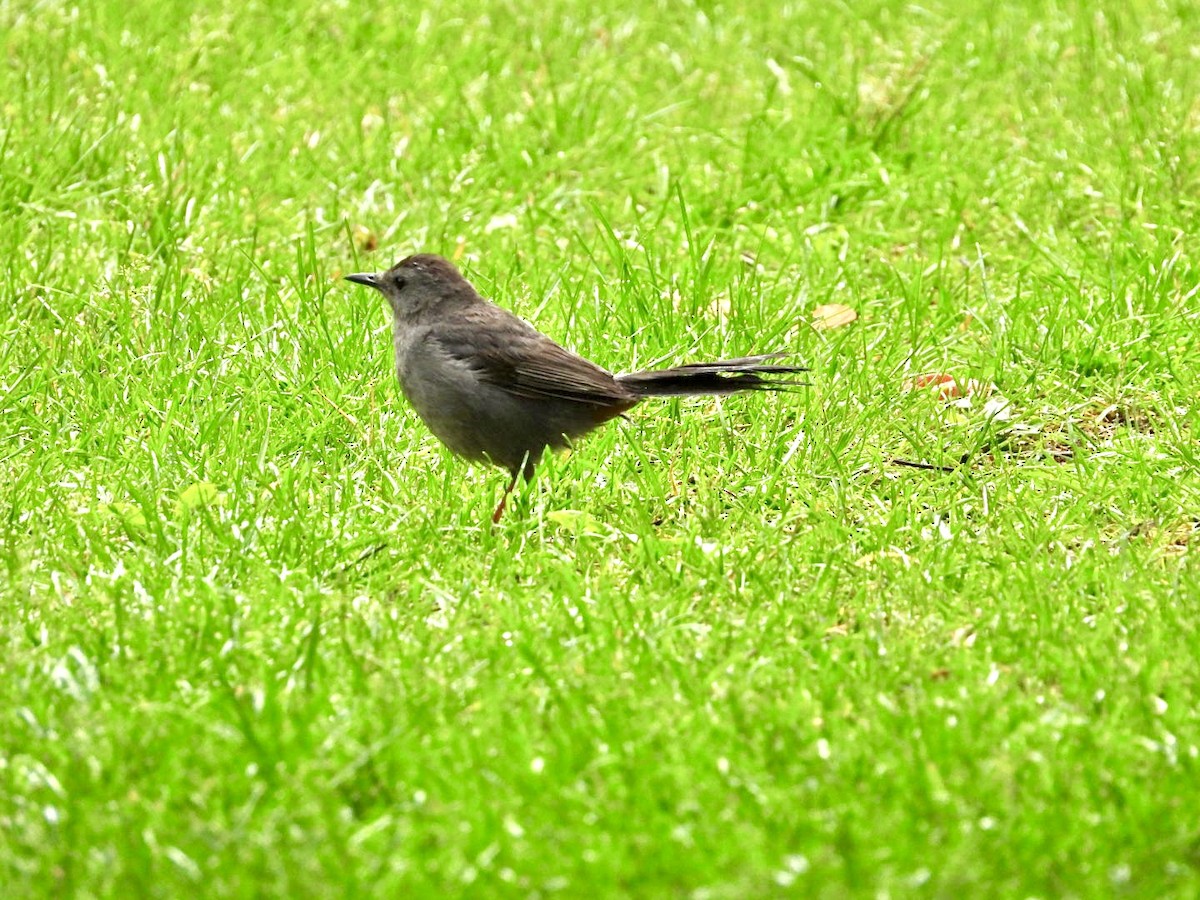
x: 508, y: 353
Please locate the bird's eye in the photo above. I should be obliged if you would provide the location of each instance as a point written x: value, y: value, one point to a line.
x: 399, y: 282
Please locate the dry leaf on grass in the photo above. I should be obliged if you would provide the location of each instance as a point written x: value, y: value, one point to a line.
x: 962, y: 394
x: 366, y: 239
x: 948, y: 387
x: 832, y: 315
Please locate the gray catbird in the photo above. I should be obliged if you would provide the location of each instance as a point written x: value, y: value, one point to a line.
x: 493, y: 389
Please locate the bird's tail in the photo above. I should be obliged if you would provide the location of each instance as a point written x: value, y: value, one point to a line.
x: 727, y: 376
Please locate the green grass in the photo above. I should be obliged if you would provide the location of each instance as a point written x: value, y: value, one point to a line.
x: 259, y: 637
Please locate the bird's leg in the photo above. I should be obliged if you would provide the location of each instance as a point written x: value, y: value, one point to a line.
x: 504, y: 500
x: 527, y: 465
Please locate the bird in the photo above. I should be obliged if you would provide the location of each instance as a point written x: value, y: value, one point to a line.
x: 494, y: 389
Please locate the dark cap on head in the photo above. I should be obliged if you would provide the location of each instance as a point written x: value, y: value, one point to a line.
x: 427, y: 266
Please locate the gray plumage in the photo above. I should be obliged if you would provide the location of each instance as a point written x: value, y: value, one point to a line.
x: 493, y: 389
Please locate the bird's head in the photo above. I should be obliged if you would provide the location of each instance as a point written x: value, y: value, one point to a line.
x: 418, y: 283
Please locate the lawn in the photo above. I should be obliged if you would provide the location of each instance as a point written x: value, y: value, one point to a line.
x: 259, y: 636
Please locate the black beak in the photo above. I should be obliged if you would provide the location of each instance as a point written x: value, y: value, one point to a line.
x: 370, y: 279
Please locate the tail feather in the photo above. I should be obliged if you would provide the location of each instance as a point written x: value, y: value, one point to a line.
x: 726, y: 376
